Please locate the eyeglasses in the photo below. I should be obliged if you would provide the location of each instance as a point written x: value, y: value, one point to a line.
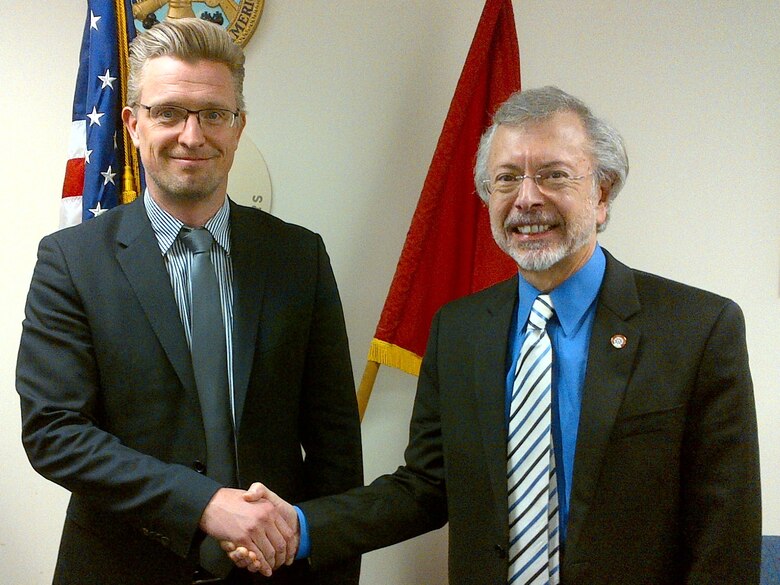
x: 549, y: 181
x: 174, y: 117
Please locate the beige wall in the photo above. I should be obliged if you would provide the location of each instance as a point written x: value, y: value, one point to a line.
x: 346, y: 102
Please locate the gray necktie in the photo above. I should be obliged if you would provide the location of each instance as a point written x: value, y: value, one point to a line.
x: 209, y: 362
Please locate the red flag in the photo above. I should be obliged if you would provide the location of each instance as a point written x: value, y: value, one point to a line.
x: 449, y: 251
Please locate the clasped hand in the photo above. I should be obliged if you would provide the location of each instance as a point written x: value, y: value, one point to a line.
x: 256, y: 528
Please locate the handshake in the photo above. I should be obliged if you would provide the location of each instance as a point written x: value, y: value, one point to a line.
x: 257, y: 529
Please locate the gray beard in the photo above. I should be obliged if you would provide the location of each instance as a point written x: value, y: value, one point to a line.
x: 537, y: 260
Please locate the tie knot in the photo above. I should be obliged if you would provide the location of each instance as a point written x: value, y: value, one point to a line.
x: 197, y: 240
x: 541, y: 311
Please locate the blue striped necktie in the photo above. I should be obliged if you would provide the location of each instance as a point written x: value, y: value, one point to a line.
x: 531, y: 482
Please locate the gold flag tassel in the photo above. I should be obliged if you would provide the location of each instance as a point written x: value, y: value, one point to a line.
x: 131, y: 174
x: 388, y: 354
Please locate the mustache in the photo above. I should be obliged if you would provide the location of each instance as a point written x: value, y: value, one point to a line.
x: 209, y: 153
x: 517, y: 219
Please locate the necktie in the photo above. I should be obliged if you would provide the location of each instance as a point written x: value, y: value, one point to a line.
x: 209, y: 362
x: 531, y: 481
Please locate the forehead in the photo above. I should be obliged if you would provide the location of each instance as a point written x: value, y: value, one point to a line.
x: 559, y: 138
x: 169, y: 78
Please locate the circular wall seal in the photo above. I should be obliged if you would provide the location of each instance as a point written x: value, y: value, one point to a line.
x: 249, y: 182
x: 238, y: 17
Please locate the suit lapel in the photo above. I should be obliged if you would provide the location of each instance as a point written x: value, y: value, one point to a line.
x: 608, y: 371
x: 490, y: 371
x: 247, y: 243
x: 139, y: 256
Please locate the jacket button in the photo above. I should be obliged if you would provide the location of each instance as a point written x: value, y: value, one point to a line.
x: 500, y: 551
x: 199, y: 466
x: 165, y: 541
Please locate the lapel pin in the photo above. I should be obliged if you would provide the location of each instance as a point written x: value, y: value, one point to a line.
x: 618, y: 341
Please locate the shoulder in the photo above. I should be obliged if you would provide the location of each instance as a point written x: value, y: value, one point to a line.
x: 93, y: 233
x: 659, y: 297
x: 252, y: 221
x: 495, y: 298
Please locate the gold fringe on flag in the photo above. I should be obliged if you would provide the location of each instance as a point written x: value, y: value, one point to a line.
x: 131, y: 175
x: 382, y: 352
x: 394, y: 356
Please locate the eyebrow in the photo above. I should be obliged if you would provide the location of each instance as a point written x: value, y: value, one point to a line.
x: 544, y: 165
x: 206, y: 106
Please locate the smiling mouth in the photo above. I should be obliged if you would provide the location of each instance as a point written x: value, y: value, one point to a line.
x: 531, y: 229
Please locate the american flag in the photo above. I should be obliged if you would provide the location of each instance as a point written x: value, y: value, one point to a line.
x: 95, y: 167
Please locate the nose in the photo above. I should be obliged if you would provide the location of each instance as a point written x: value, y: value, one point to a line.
x: 528, y: 194
x: 192, y: 133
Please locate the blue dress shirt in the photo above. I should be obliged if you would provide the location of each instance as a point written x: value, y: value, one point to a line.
x: 569, y: 329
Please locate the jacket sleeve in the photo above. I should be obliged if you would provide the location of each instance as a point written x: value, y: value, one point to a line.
x: 394, y: 507
x: 59, y: 384
x: 330, y: 425
x: 721, y: 491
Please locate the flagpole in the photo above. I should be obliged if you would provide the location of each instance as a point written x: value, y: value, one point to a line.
x: 366, y: 386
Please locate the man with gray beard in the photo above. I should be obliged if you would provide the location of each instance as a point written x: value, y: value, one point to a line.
x: 583, y: 423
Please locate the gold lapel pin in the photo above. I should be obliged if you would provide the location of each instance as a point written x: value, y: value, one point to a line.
x: 618, y: 341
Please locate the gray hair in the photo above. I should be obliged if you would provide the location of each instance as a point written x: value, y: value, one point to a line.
x: 188, y: 39
x: 536, y: 105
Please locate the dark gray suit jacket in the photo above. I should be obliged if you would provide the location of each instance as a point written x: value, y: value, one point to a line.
x: 109, y: 405
x: 666, y: 481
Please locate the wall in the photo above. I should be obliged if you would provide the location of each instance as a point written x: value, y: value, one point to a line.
x: 346, y: 101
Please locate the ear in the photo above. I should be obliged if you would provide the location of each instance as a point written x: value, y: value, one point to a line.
x: 603, y: 193
x: 241, y: 125
x: 131, y: 123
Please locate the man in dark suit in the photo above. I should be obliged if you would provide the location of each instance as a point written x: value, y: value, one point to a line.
x: 112, y: 406
x: 649, y: 470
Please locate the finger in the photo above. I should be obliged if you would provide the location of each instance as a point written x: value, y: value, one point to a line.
x: 292, y: 548
x: 240, y: 554
x: 290, y: 541
x: 258, y: 491
x: 255, y: 492
x: 246, y: 560
x: 272, y: 543
x: 227, y: 546
x: 239, y: 562
x: 268, y: 553
x: 252, y: 558
x: 261, y: 565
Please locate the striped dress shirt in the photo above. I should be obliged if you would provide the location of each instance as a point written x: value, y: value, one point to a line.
x: 178, y: 261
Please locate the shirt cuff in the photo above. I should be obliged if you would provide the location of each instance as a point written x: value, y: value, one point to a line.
x: 304, y: 546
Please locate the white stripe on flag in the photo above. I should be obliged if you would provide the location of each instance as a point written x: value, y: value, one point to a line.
x: 70, y: 211
x: 77, y: 142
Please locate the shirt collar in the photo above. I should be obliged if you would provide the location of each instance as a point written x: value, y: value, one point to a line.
x: 571, y: 299
x: 166, y: 227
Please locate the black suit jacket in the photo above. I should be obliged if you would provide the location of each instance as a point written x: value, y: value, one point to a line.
x: 666, y: 481
x: 109, y: 404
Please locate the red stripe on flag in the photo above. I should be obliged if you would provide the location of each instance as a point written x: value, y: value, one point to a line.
x: 73, y: 185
